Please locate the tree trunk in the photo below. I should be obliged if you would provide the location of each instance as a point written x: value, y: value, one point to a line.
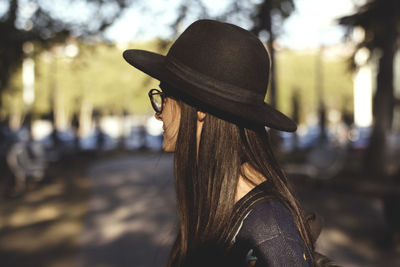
x: 11, y: 52
x: 383, y: 103
x: 296, y: 115
x: 85, y: 118
x: 263, y: 22
x: 268, y: 23
x: 319, y: 90
x: 272, y: 88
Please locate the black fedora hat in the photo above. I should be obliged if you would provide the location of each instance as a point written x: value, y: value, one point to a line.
x: 219, y: 68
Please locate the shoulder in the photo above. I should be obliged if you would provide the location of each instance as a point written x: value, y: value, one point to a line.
x: 267, y: 220
x: 269, y: 229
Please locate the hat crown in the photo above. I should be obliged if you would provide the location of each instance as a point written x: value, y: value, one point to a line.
x: 225, y: 53
x: 219, y: 68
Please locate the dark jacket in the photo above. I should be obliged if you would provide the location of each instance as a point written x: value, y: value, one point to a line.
x: 270, y: 237
x: 261, y: 232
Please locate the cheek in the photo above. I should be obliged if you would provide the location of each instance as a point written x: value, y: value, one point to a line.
x: 172, y: 129
x: 175, y: 116
x: 171, y: 118
x: 177, y: 121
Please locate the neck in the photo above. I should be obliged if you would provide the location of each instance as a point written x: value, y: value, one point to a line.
x: 248, y: 179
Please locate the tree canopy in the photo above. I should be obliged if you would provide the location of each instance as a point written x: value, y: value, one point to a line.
x: 41, y: 21
x: 97, y: 75
x: 380, y: 21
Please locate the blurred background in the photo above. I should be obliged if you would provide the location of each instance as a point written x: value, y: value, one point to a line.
x: 83, y: 180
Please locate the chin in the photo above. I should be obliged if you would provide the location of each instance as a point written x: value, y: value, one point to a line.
x: 168, y: 147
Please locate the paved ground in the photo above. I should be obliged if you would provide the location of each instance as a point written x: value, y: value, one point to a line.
x: 41, y: 228
x: 131, y: 213
x: 121, y: 212
x: 354, y: 233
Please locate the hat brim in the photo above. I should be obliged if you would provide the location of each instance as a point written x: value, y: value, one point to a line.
x: 154, y: 65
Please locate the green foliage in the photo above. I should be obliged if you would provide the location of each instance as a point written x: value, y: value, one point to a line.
x: 24, y: 21
x: 377, y: 19
x: 12, y: 97
x: 296, y: 71
x: 98, y: 75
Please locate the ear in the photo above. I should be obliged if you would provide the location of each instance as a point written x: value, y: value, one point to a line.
x: 200, y: 116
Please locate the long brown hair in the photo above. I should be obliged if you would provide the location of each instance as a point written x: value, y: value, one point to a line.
x: 206, y: 180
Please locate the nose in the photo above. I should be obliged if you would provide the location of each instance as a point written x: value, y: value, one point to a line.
x: 158, y: 116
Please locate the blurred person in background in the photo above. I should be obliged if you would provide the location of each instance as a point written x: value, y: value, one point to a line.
x: 235, y: 204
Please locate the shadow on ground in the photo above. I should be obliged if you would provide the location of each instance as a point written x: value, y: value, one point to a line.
x: 355, y: 232
x: 131, y: 213
x: 42, y: 226
x: 121, y: 212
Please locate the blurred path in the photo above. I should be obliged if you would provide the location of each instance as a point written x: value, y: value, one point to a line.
x: 355, y: 232
x: 131, y: 213
x: 41, y: 227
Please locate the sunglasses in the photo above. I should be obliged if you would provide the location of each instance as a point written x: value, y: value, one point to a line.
x: 157, y: 98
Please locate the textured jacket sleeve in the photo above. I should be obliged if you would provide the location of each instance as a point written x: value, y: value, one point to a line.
x: 270, y: 232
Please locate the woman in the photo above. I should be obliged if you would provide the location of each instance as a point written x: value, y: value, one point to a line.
x: 235, y: 205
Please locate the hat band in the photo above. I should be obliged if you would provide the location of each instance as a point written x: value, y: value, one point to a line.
x: 211, y: 85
